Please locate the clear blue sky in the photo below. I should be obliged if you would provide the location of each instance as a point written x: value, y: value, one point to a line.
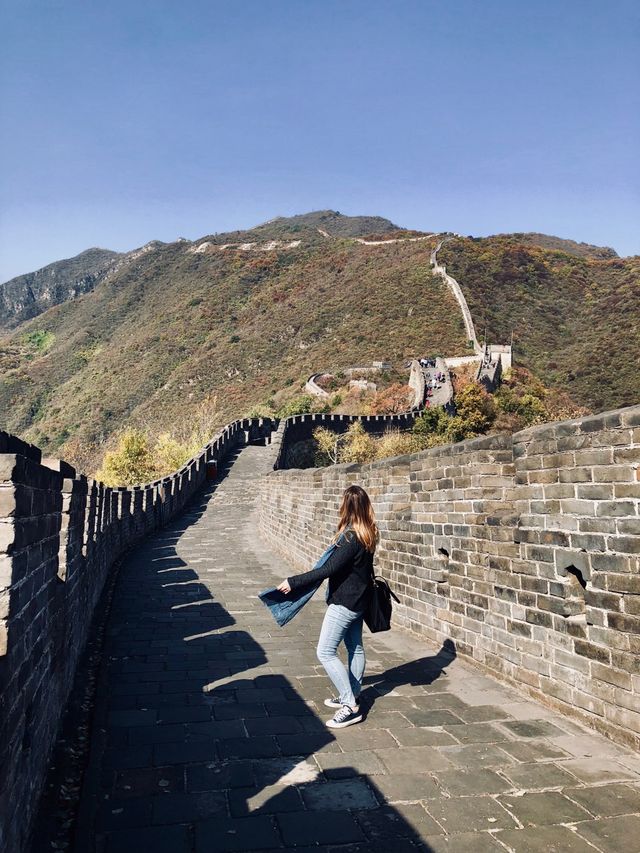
x: 130, y: 120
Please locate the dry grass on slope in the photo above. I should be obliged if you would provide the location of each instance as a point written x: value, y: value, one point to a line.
x: 151, y: 342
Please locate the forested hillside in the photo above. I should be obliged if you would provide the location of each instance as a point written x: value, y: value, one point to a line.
x: 185, y: 320
x: 247, y: 316
x: 575, y: 316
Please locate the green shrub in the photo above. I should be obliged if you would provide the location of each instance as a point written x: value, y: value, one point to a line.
x: 298, y: 406
x: 130, y: 463
x: 260, y: 411
x: 169, y: 454
x: 431, y: 421
x: 40, y: 340
x: 475, y: 411
x: 327, y: 447
x: 396, y: 443
x: 358, y: 446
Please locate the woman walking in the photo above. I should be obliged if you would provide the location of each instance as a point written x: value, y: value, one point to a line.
x: 350, y: 573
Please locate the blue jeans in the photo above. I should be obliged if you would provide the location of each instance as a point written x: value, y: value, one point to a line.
x: 342, y: 624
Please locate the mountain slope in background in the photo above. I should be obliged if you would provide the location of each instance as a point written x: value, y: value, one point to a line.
x: 242, y: 315
x: 251, y: 314
x: 28, y: 295
x: 568, y: 247
x: 331, y: 221
x: 575, y: 317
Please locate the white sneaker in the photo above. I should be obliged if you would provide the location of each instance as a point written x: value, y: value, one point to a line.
x: 346, y: 716
x: 335, y: 702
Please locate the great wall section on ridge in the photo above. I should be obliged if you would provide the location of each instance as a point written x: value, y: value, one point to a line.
x: 492, y: 360
x: 523, y: 550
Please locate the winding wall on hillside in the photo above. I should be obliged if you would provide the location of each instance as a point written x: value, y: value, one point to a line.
x: 441, y: 270
x: 523, y: 550
x: 60, y: 535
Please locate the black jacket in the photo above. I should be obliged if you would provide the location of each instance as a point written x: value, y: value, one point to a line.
x: 349, y: 569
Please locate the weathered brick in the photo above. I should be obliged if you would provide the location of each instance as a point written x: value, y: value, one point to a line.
x: 592, y: 651
x: 610, y: 562
x: 624, y: 583
x: 576, y: 475
x: 632, y: 605
x: 578, y: 507
x: 616, y: 508
x: 603, y: 600
x: 620, y: 622
x: 595, y: 491
x: 615, y: 474
x: 629, y: 526
x: 624, y: 544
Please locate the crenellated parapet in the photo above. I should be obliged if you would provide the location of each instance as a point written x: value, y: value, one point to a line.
x: 61, y: 534
x: 297, y: 428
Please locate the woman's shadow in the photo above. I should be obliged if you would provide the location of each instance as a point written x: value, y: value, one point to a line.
x: 421, y: 672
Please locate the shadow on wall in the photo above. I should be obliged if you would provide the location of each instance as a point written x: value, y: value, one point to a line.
x: 194, y: 740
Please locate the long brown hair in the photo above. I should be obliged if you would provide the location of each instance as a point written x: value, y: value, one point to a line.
x: 356, y: 512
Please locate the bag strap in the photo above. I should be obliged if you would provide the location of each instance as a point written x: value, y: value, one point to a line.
x: 386, y: 583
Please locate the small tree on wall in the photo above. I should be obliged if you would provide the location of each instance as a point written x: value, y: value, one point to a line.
x: 355, y: 445
x: 327, y: 446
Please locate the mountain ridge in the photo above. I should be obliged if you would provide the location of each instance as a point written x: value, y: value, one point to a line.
x: 27, y: 295
x: 250, y: 315
x: 75, y: 276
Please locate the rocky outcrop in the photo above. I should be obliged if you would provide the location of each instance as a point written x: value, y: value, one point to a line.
x: 28, y: 295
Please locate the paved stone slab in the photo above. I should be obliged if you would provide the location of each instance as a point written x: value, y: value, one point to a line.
x: 266, y: 799
x: 534, y: 750
x: 333, y: 796
x: 472, y: 783
x: 483, y: 713
x: 243, y: 834
x: 416, y: 736
x: 544, y: 807
x: 612, y: 834
x: 532, y: 728
x: 160, y: 839
x: 186, y: 808
x: 534, y: 776
x: 215, y: 735
x: 599, y: 770
x: 607, y: 800
x: 546, y: 839
x: 319, y: 828
x: 405, y: 788
x: 465, y: 842
x: 342, y: 765
x: 462, y: 814
x: 476, y: 755
x: 418, y: 759
x: 388, y: 824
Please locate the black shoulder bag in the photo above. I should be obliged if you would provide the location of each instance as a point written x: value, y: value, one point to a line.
x: 377, y: 616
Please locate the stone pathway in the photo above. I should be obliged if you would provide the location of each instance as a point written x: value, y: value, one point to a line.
x: 210, y: 730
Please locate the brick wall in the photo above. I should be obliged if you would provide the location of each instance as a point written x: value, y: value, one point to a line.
x: 60, y: 534
x: 524, y: 550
